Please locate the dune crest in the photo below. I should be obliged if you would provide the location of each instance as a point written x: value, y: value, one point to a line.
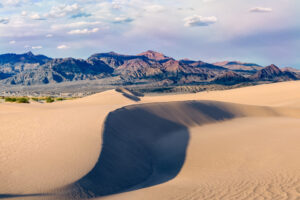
x: 145, y: 145
x: 234, y: 144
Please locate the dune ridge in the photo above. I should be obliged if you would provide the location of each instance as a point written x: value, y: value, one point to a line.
x: 145, y: 145
x: 234, y: 144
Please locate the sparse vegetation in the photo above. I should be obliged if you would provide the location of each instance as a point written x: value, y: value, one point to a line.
x: 50, y: 99
x: 10, y: 99
x: 22, y: 100
x: 60, y: 99
x: 35, y: 99
x: 16, y: 99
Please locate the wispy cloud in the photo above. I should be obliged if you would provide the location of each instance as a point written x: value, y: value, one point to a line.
x: 82, y: 14
x: 121, y: 20
x: 11, y: 2
x: 260, y: 10
x: 75, y: 24
x: 4, y: 20
x: 83, y: 31
x: 64, y: 10
x: 154, y: 8
x: 36, y: 16
x: 63, y: 46
x: 197, y: 20
x: 12, y: 42
x: 36, y: 47
x: 174, y: 27
x: 206, y: 1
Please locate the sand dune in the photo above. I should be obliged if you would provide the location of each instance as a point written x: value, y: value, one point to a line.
x: 234, y: 160
x: 145, y: 151
x: 276, y: 94
x: 188, y: 147
x: 46, y: 146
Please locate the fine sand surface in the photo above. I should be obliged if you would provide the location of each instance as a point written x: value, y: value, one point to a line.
x: 234, y: 144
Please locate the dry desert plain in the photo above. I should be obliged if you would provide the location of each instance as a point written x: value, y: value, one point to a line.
x: 234, y: 144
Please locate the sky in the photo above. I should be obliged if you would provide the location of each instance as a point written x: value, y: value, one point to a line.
x: 258, y: 31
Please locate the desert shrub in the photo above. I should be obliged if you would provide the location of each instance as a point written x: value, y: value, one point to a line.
x: 35, y: 99
x: 10, y: 99
x: 22, y: 100
x: 49, y: 100
x: 60, y: 99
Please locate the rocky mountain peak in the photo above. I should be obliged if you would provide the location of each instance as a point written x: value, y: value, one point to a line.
x: 29, y: 53
x: 272, y: 69
x: 154, y: 55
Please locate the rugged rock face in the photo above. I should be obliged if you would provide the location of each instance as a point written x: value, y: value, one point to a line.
x: 154, y: 55
x: 239, y: 66
x: 4, y: 75
x: 147, y: 67
x: 12, y: 64
x: 113, y: 59
x: 203, y: 65
x: 230, y: 78
x: 28, y: 57
x: 139, y: 68
x: 60, y: 70
x: 273, y: 73
x: 152, y: 64
x: 290, y: 69
x: 15, y: 63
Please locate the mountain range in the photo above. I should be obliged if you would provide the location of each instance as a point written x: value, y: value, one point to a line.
x: 147, y: 67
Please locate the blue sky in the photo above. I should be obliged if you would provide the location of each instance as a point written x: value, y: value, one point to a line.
x: 261, y: 31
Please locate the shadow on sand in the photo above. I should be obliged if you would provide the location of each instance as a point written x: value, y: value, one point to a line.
x: 145, y: 145
x: 7, y: 196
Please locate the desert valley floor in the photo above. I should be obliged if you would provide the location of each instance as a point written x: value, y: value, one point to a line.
x: 234, y: 144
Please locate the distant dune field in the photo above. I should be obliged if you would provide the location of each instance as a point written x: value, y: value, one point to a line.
x: 235, y: 144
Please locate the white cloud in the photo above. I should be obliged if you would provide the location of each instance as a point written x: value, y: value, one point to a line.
x: 49, y: 35
x: 116, y: 5
x: 12, y: 42
x: 37, y: 47
x: 63, y: 10
x: 62, y: 46
x: 120, y: 20
x: 261, y: 9
x: 36, y: 16
x: 154, y: 8
x: 74, y: 25
x: 83, y: 31
x: 11, y: 2
x: 197, y: 20
x: 4, y: 20
x: 24, y: 13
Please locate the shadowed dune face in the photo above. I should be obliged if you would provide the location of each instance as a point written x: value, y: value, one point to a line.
x: 130, y: 157
x: 142, y: 145
x: 11, y: 196
x: 145, y: 145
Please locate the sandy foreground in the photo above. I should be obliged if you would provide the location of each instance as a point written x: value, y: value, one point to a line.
x: 234, y: 144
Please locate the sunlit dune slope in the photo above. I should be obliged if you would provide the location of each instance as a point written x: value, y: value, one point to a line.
x: 234, y: 144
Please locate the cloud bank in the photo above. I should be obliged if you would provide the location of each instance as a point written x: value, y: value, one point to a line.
x: 199, y: 29
x: 197, y: 20
x: 260, y: 10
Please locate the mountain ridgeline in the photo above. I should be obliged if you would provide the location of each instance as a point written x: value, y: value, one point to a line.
x: 147, y: 67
